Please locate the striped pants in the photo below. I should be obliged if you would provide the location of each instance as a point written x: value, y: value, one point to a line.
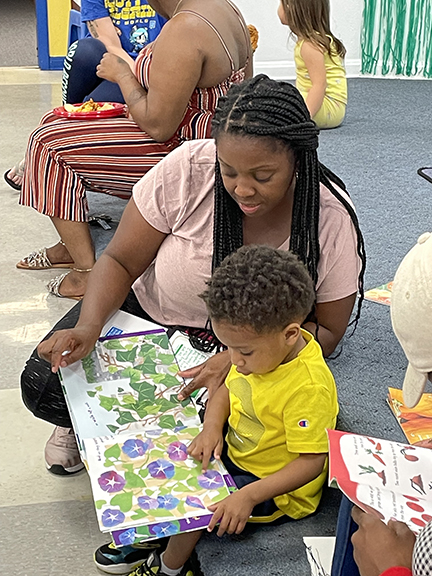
x: 67, y: 157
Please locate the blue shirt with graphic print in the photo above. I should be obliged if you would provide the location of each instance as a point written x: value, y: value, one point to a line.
x: 135, y: 21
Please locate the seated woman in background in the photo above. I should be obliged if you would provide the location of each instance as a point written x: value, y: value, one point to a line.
x: 258, y: 182
x: 123, y: 31
x: 201, y: 51
x: 111, y: 30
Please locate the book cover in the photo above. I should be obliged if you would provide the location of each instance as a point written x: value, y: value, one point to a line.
x: 416, y: 422
x: 388, y: 479
x: 380, y: 294
x: 133, y: 435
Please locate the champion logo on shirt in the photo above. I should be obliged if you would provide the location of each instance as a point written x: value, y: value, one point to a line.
x: 303, y: 423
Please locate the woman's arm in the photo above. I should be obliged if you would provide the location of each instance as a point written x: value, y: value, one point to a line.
x: 127, y: 256
x: 177, y: 62
x: 332, y: 318
x: 313, y: 58
x: 104, y: 30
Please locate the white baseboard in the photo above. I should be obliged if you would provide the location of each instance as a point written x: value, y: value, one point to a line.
x: 285, y: 69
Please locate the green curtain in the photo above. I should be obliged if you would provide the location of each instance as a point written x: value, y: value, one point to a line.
x: 397, y: 37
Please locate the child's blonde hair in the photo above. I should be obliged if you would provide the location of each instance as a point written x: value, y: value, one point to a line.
x: 310, y: 19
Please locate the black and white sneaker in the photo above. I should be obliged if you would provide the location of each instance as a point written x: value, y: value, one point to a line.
x: 125, y: 559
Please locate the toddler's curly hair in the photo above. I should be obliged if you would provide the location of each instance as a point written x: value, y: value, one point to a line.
x: 260, y: 287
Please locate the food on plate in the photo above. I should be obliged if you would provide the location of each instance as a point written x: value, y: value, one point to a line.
x: 89, y: 106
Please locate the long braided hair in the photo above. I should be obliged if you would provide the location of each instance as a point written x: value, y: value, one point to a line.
x: 268, y: 108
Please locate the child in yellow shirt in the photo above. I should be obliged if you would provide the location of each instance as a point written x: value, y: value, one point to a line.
x: 279, y: 398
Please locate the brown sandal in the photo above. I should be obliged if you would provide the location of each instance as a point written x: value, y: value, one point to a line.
x: 54, y: 284
x: 39, y: 260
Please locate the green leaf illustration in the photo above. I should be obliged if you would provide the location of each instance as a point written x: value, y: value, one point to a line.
x: 161, y: 340
x: 113, y: 369
x: 113, y: 345
x: 145, y: 391
x: 113, y: 452
x: 193, y: 482
x: 167, y: 421
x: 170, y: 381
x: 147, y: 367
x: 128, y: 399
x: 127, y: 355
x: 143, y: 530
x: 132, y: 373
x: 133, y: 480
x: 190, y: 411
x: 125, y: 417
x: 181, y: 507
x: 138, y: 515
x: 160, y: 513
x: 91, y: 393
x: 112, y: 428
x: 99, y: 504
x: 123, y: 501
x: 145, y: 349
x: 107, y: 402
x: 108, y: 463
x: 143, y: 472
x: 166, y: 359
x: 98, y: 388
x: 181, y: 473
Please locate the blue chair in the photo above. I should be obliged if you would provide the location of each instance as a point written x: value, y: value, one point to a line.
x: 77, y: 29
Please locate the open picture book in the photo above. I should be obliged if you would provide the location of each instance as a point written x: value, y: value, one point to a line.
x: 416, y: 422
x: 133, y: 433
x: 388, y: 479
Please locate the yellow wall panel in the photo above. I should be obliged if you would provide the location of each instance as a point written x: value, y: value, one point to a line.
x: 58, y: 26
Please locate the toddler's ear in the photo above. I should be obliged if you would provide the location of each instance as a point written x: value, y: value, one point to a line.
x: 292, y: 333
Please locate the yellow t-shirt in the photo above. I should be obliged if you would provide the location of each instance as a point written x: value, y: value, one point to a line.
x: 276, y: 416
x: 335, y: 74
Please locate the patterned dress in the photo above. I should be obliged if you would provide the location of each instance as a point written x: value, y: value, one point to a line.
x: 66, y: 157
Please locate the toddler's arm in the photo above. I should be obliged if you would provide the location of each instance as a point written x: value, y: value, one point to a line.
x: 234, y: 511
x: 210, y: 440
x: 313, y: 58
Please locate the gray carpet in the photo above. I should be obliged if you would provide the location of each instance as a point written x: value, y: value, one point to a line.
x: 386, y: 136
x: 18, y: 46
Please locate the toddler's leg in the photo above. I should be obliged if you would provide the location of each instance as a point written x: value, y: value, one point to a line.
x: 179, y: 549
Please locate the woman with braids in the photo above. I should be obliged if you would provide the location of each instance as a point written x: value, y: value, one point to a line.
x: 258, y: 182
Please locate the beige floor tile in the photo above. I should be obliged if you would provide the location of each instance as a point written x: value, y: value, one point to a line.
x: 24, y: 478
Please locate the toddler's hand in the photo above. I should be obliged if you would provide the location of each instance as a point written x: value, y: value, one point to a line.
x: 232, y: 512
x: 206, y: 444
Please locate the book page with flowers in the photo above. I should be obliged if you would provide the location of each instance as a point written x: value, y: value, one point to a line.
x: 388, y: 479
x: 126, y: 383
x: 146, y: 486
x: 133, y: 434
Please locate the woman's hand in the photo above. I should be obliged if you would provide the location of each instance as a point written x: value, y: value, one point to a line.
x: 113, y: 68
x: 209, y: 442
x: 67, y: 346
x: 210, y: 374
x: 378, y: 546
x: 232, y: 512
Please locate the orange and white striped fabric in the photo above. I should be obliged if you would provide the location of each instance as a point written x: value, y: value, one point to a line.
x: 67, y: 157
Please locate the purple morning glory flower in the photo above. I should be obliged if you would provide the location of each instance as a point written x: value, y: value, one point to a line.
x: 112, y: 517
x: 161, y: 469
x: 135, y: 447
x: 127, y: 537
x: 165, y: 529
x: 210, y: 479
x: 111, y: 481
x: 147, y: 503
x: 168, y: 502
x: 177, y: 451
x: 194, y: 502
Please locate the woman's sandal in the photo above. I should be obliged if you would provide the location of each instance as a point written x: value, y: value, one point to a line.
x: 39, y: 260
x: 19, y: 171
x: 54, y: 284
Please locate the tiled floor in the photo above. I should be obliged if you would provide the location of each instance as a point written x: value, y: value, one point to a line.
x: 47, y: 523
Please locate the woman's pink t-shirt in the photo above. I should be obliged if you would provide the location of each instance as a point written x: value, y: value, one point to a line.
x: 176, y: 198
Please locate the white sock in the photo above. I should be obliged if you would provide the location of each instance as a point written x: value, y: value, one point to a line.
x: 166, y: 570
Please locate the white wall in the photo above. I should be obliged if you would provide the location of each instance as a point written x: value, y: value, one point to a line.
x: 274, y: 55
